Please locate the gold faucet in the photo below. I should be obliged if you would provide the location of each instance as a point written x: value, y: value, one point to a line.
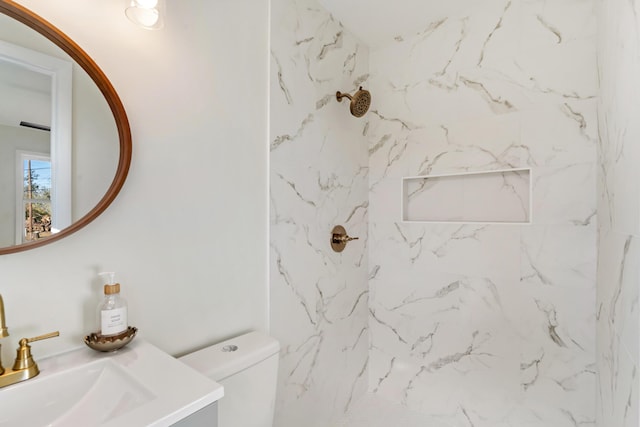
x: 24, y: 367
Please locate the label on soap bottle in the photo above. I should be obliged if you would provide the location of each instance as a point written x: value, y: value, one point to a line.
x: 113, y: 321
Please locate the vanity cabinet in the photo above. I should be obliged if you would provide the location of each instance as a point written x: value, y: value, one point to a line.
x: 205, y: 417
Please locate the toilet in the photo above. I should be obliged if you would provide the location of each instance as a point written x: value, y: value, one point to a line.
x: 247, y: 368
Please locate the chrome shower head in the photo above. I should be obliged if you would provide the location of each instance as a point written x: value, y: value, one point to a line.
x: 360, y: 101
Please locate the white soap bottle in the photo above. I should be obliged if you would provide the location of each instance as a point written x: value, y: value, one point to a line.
x: 112, y: 311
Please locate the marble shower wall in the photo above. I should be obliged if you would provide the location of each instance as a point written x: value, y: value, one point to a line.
x: 487, y: 325
x: 319, y: 178
x: 618, y: 213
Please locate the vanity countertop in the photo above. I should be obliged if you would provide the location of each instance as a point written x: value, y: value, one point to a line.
x: 138, y: 385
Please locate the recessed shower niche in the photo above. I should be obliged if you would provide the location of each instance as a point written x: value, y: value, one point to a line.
x: 502, y: 196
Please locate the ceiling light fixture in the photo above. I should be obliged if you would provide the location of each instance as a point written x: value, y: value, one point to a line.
x: 148, y: 14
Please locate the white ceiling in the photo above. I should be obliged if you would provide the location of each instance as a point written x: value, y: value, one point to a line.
x: 378, y: 22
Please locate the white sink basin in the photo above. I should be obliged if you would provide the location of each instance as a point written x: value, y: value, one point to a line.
x: 136, y: 386
x: 101, y: 388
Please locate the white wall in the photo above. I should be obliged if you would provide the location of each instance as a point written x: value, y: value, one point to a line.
x: 483, y: 324
x: 318, y: 162
x: 618, y: 214
x: 94, y: 157
x: 188, y: 232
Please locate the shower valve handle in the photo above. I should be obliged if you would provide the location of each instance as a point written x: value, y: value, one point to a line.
x: 339, y: 238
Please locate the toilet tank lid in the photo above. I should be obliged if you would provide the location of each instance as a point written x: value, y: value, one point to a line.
x: 232, y: 356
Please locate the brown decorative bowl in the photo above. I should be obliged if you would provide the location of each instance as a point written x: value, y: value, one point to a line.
x: 111, y: 343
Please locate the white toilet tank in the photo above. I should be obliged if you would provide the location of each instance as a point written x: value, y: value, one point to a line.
x: 247, y: 368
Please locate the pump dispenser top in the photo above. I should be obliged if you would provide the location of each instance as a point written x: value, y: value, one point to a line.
x: 110, y: 285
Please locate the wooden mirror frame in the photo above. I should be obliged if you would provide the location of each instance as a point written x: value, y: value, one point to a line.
x: 25, y: 16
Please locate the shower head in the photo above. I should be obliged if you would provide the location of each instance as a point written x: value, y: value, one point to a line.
x: 360, y: 101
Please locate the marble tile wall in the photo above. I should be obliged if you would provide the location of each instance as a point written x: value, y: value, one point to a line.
x: 487, y: 325
x: 319, y: 178
x: 618, y: 213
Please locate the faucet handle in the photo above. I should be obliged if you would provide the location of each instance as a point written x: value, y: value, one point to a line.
x: 23, y: 356
x: 41, y: 337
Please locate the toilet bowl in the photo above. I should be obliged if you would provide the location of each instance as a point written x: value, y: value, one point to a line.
x: 247, y: 368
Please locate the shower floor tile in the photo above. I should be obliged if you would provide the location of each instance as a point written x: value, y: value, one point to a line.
x: 372, y: 411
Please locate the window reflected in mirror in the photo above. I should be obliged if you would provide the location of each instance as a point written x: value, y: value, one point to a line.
x: 36, y: 210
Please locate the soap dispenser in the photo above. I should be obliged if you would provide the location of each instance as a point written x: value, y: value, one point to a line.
x: 112, y: 311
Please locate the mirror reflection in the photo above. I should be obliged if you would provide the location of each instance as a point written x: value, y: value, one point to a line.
x: 59, y: 143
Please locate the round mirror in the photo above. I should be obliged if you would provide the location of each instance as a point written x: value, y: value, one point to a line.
x: 65, y: 142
